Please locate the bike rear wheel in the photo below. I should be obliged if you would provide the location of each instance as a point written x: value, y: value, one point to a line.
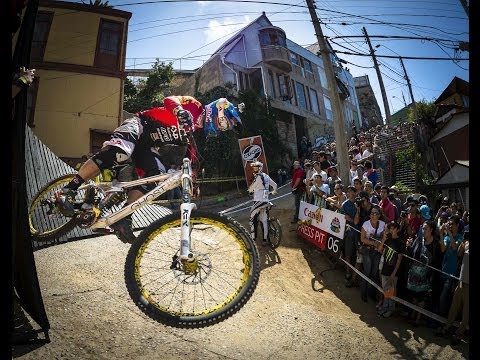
x: 225, y: 277
x: 274, y: 232
x: 46, y: 222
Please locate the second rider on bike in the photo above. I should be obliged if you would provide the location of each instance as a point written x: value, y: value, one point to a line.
x: 138, y: 139
x: 260, y: 188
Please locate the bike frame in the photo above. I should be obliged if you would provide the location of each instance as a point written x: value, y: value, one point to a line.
x: 167, y: 182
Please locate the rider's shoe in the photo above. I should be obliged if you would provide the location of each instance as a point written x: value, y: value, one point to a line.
x: 123, y: 230
x: 65, y: 199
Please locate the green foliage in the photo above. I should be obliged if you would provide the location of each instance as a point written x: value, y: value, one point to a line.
x: 129, y: 89
x: 153, y: 90
x: 425, y: 110
x: 403, y: 189
x: 100, y: 3
x: 406, y: 156
x: 221, y: 154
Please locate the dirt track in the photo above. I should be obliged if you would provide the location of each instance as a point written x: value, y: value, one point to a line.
x: 293, y: 314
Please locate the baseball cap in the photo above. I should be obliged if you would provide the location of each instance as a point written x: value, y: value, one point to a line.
x: 425, y: 211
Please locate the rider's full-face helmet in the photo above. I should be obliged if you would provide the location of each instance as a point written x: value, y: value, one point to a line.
x: 257, y: 166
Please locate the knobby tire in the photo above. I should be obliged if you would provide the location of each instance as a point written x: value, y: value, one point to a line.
x: 227, y: 275
x: 37, y: 215
x: 274, y: 232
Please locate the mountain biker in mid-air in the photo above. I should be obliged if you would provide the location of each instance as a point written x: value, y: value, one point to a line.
x: 260, y: 188
x: 138, y: 139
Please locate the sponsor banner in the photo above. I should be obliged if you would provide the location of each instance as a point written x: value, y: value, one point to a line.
x: 313, y: 234
x: 327, y: 220
x: 251, y: 149
x: 322, y: 227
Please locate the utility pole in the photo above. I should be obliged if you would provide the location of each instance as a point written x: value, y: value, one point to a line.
x: 343, y: 162
x: 404, y: 102
x: 465, y: 6
x: 379, y: 75
x: 414, y: 104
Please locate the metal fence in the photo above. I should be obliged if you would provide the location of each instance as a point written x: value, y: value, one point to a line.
x: 42, y: 166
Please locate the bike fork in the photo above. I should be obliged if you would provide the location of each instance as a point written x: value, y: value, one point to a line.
x: 186, y: 254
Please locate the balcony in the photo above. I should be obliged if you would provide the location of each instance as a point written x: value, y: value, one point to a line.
x: 277, y: 56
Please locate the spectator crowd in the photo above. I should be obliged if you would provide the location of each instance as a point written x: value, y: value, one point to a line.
x: 413, y: 248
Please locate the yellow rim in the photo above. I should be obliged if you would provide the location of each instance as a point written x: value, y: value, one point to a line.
x: 246, y: 272
x: 36, y: 202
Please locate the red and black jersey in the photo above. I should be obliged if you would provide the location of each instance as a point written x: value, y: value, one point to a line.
x: 160, y: 125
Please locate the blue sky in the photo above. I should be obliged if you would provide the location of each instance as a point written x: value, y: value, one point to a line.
x: 189, y: 32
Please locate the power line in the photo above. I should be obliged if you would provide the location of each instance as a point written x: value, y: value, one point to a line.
x: 405, y: 57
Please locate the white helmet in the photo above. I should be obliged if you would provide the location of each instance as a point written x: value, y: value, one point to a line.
x: 257, y: 163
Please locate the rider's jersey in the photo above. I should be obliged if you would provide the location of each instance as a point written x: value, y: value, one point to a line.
x: 160, y: 125
x: 260, y: 187
x: 220, y: 115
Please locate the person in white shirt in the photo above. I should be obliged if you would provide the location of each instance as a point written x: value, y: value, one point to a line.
x: 260, y: 188
x: 318, y: 170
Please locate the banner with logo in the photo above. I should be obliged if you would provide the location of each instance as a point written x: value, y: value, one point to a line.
x: 252, y: 149
x: 322, y: 227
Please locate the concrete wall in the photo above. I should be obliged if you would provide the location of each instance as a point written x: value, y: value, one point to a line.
x: 73, y: 94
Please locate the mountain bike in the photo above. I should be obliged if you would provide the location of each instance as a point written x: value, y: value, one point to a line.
x: 274, y: 228
x: 189, y: 269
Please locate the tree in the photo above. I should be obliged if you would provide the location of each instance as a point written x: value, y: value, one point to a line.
x: 99, y: 3
x: 221, y: 154
x: 425, y: 110
x: 152, y: 91
x: 129, y: 89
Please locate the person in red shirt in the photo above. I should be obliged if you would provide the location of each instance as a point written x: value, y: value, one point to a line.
x: 386, y: 206
x: 298, y: 187
x: 136, y: 141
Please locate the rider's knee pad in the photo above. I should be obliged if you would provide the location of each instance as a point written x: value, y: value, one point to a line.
x: 109, y: 156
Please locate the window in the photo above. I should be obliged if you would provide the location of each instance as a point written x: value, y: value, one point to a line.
x: 292, y: 100
x: 109, y: 45
x: 307, y: 65
x: 301, y: 99
x: 314, y: 101
x: 272, y: 37
x: 272, y: 84
x: 323, y: 78
x: 294, y: 59
x: 328, y: 108
x: 43, y: 21
x: 283, y: 85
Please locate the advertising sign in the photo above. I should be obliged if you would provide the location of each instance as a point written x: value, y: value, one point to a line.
x: 322, y: 227
x: 251, y: 149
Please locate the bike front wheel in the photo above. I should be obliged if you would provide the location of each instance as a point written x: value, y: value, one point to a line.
x: 274, y: 232
x: 224, y: 275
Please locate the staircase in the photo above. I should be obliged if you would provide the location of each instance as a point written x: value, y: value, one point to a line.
x: 394, y: 171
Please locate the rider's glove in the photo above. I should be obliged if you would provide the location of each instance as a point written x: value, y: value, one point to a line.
x: 184, y: 117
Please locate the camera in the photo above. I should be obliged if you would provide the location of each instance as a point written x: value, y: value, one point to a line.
x: 358, y: 201
x: 403, y: 213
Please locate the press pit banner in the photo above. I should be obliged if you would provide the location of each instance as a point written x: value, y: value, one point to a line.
x: 322, y: 227
x: 251, y: 149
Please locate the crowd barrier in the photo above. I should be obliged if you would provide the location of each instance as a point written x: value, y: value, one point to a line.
x: 327, y: 238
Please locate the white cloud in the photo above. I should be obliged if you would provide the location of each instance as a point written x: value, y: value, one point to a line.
x: 217, y: 29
